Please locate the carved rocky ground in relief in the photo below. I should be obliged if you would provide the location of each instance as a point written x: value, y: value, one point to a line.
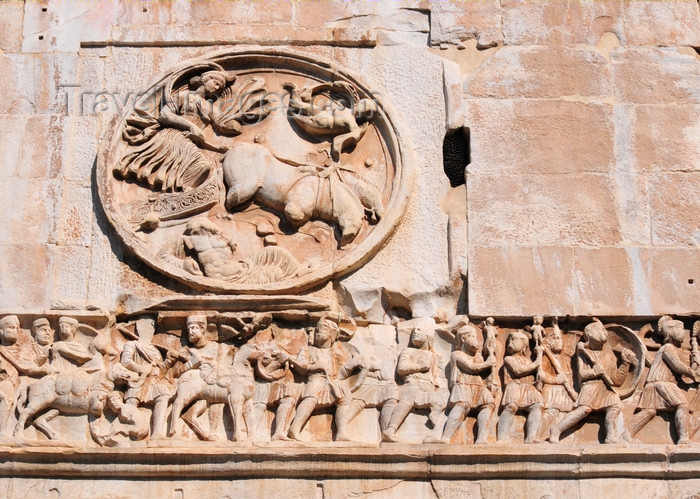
x: 298, y: 377
x: 254, y: 172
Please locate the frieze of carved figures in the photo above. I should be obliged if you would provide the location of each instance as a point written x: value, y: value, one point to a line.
x: 249, y: 377
x: 255, y: 173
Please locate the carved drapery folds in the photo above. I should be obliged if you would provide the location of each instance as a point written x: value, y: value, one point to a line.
x: 248, y: 377
x: 254, y: 173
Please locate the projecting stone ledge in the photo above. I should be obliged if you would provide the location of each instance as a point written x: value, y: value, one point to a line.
x: 395, y: 461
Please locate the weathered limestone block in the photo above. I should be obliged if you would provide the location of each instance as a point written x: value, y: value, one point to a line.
x: 30, y: 222
x: 543, y: 72
x: 666, y: 138
x: 18, y: 84
x: 670, y: 24
x: 80, y: 157
x: 547, y: 137
x: 75, y: 223
x: 674, y: 206
x: 674, y: 279
x: 11, y: 14
x: 11, y: 125
x: 671, y: 77
x: 511, y: 280
x: 455, y: 22
x: 606, y: 281
x: 560, y: 23
x: 60, y: 27
x: 542, y: 210
x: 44, y: 144
x: 21, y: 264
x: 277, y: 12
x: 392, y: 23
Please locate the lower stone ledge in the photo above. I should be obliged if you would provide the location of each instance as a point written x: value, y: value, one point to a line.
x: 396, y: 461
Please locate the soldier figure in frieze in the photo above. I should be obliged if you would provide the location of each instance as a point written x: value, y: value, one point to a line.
x: 469, y: 372
x: 599, y: 374
x: 555, y: 376
x: 520, y: 394
x: 152, y: 388
x: 661, y: 391
x: 418, y: 367
x: 329, y: 364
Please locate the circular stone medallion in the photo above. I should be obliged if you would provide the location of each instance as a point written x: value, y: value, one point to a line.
x: 254, y: 172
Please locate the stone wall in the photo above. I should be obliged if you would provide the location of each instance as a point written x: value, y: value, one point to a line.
x: 579, y: 200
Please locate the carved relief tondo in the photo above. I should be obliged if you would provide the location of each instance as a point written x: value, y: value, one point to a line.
x: 254, y: 172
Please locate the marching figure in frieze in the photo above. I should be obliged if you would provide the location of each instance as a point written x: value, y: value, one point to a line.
x: 520, y: 394
x: 418, y: 367
x: 328, y: 364
x: 556, y: 377
x: 208, y: 372
x: 661, y: 391
x: 599, y: 375
x: 469, y: 390
x: 152, y: 387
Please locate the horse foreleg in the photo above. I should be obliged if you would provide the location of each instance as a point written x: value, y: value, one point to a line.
x: 235, y: 405
x: 29, y: 411
x: 178, y: 405
x: 191, y: 417
x: 42, y: 423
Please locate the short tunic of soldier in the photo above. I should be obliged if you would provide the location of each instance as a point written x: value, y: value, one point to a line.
x: 274, y: 382
x: 375, y: 390
x: 418, y: 387
x: 147, y: 388
x: 325, y: 386
x: 520, y: 391
x: 661, y: 391
x: 469, y: 389
x: 594, y: 392
x: 555, y: 395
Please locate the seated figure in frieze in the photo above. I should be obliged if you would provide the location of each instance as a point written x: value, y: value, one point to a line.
x: 210, y: 372
x: 418, y: 367
x: 599, y: 373
x: 152, y: 387
x: 469, y: 370
x: 334, y: 370
x: 661, y: 391
x: 520, y: 394
x: 556, y: 378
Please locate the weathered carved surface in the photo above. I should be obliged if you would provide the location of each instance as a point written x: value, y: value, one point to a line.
x: 296, y: 379
x: 254, y: 172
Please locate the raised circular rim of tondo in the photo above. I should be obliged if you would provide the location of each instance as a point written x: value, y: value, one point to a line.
x: 344, y: 261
